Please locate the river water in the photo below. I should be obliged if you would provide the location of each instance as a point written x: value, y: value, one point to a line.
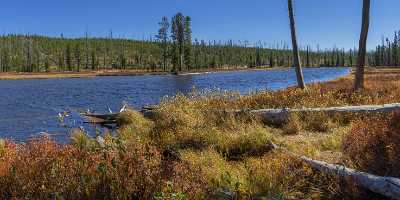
x: 30, y: 107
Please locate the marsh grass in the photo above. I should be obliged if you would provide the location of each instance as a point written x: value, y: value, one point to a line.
x: 192, y: 148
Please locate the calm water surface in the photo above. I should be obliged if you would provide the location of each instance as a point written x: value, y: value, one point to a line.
x: 29, y: 107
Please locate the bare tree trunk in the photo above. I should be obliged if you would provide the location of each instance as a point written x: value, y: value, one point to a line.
x: 296, y: 55
x: 359, y: 79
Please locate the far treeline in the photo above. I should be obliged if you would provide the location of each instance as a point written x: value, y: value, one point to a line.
x: 171, y: 50
x: 388, y: 53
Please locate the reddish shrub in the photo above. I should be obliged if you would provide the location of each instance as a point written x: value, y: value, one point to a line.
x: 373, y: 145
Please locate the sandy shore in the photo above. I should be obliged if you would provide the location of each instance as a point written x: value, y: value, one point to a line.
x: 88, y: 74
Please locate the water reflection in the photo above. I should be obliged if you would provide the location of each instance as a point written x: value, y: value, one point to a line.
x: 183, y: 83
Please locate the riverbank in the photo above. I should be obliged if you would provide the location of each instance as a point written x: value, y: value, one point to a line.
x: 91, y: 74
x: 83, y: 74
x: 191, y: 150
x: 97, y: 94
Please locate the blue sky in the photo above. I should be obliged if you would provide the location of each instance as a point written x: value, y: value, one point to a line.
x: 324, y: 22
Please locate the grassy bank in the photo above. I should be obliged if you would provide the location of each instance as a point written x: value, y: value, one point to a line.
x: 83, y: 74
x: 88, y: 74
x: 191, y: 150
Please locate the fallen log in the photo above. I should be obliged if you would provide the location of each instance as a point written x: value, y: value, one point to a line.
x: 107, y: 119
x: 280, y: 116
x: 110, y: 116
x: 277, y: 116
x: 387, y: 186
x: 100, y: 121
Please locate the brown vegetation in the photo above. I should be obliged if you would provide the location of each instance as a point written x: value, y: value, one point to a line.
x: 192, y: 150
x: 373, y: 145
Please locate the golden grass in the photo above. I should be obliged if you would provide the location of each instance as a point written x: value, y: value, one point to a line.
x: 192, y: 149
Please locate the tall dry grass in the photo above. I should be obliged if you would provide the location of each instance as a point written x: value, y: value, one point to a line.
x: 193, y: 149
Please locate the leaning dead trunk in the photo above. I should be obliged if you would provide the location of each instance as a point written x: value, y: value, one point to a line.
x: 359, y: 79
x: 296, y: 55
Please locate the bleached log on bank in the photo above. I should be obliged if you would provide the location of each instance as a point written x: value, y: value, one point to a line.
x: 104, y: 119
x: 109, y: 116
x: 279, y: 116
x: 387, y: 186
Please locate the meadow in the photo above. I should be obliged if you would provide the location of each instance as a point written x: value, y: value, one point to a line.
x: 192, y: 149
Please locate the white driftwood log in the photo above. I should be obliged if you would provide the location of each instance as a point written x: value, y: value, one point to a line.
x: 387, y: 186
x: 279, y: 116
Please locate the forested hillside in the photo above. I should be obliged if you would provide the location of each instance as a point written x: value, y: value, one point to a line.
x: 172, y: 49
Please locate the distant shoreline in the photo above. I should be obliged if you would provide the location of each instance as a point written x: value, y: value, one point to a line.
x: 91, y: 74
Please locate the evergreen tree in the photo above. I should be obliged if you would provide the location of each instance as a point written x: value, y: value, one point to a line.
x: 389, y: 53
x: 5, y: 60
x: 351, y: 58
x: 61, y: 61
x: 395, y: 49
x: 258, y: 61
x: 93, y: 60
x: 163, y: 39
x: 122, y: 59
x: 178, y: 38
x: 86, y: 50
x: 308, y: 57
x: 271, y: 59
x: 46, y: 64
x: 68, y: 57
x: 28, y: 53
x: 78, y: 57
x: 188, y: 43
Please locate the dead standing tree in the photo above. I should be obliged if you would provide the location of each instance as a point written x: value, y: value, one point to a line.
x: 359, y: 79
x: 296, y: 55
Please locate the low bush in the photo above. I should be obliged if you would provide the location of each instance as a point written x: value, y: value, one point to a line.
x: 373, y: 145
x: 102, y: 169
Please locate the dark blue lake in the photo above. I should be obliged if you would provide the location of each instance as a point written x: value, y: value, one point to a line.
x: 29, y: 107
